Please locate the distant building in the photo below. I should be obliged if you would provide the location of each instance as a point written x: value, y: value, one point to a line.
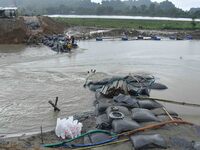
x: 8, y: 12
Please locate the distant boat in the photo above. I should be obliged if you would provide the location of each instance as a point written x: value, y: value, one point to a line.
x: 189, y: 37
x: 99, y: 39
x: 146, y: 38
x: 124, y: 38
x: 172, y: 37
x: 179, y: 38
x: 156, y: 38
x: 140, y: 37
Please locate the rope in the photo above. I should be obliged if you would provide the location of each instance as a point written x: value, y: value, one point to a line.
x: 170, y: 101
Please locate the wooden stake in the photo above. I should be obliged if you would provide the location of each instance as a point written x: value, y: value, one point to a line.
x: 168, y: 114
x: 56, y: 102
x: 55, y: 105
x: 41, y: 134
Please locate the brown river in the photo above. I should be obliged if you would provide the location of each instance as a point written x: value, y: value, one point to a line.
x: 31, y: 76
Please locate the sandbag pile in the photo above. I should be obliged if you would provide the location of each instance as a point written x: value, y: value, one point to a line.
x: 119, y: 109
x: 133, y: 85
x: 59, y: 43
x: 124, y: 113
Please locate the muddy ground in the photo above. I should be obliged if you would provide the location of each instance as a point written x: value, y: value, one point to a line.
x: 27, y: 29
x: 35, y: 142
x: 29, y: 142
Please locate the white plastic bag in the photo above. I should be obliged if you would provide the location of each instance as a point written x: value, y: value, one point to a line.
x: 68, y: 128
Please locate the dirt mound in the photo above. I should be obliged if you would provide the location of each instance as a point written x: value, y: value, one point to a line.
x: 12, y: 31
x: 50, y: 26
x: 23, y: 29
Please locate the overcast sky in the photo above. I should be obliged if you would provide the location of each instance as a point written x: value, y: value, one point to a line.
x: 184, y: 4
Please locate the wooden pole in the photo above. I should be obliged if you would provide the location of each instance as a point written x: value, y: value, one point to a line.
x: 168, y: 114
x: 54, y: 105
x: 169, y: 101
x: 41, y: 134
x: 170, y: 117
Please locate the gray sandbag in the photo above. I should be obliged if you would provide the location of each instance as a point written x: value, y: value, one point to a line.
x: 101, y: 99
x: 95, y: 87
x: 102, y: 122
x: 196, y: 145
x: 96, y: 137
x: 101, y: 107
x: 181, y: 143
x: 105, y: 81
x: 158, y: 86
x: 121, y: 109
x: 165, y: 117
x: 160, y: 111
x: 116, y: 78
x: 122, y: 125
x: 143, y: 115
x: 126, y: 101
x: 138, y: 80
x: 133, y: 91
x: 102, y: 82
x: 144, y: 91
x: 130, y: 79
x: 149, y: 104
x: 148, y: 141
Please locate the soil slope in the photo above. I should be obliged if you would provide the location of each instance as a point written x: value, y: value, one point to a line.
x: 23, y: 29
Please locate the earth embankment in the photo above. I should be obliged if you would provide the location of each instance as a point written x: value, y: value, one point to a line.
x: 25, y: 29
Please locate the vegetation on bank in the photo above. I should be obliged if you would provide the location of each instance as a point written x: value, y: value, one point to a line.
x: 107, y: 7
x: 127, y: 23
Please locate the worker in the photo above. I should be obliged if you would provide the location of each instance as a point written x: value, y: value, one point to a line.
x: 69, y: 46
x: 73, y: 39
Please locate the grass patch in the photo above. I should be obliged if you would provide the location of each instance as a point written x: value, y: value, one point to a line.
x: 127, y: 23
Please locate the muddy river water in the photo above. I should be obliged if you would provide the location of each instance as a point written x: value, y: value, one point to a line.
x: 31, y: 76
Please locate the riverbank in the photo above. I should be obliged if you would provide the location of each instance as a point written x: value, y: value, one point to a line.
x: 179, y: 134
x: 30, y: 30
x: 117, y: 27
x: 35, y: 141
x: 86, y: 33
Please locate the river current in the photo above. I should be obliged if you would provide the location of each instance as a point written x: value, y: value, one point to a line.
x: 31, y: 76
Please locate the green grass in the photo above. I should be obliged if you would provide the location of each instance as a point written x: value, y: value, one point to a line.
x: 136, y: 24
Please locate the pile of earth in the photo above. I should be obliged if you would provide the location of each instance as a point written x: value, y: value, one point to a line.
x: 27, y: 29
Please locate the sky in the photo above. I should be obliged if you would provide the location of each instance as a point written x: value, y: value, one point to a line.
x: 183, y: 4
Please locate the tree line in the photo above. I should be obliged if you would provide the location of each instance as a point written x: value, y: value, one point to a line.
x: 107, y: 7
